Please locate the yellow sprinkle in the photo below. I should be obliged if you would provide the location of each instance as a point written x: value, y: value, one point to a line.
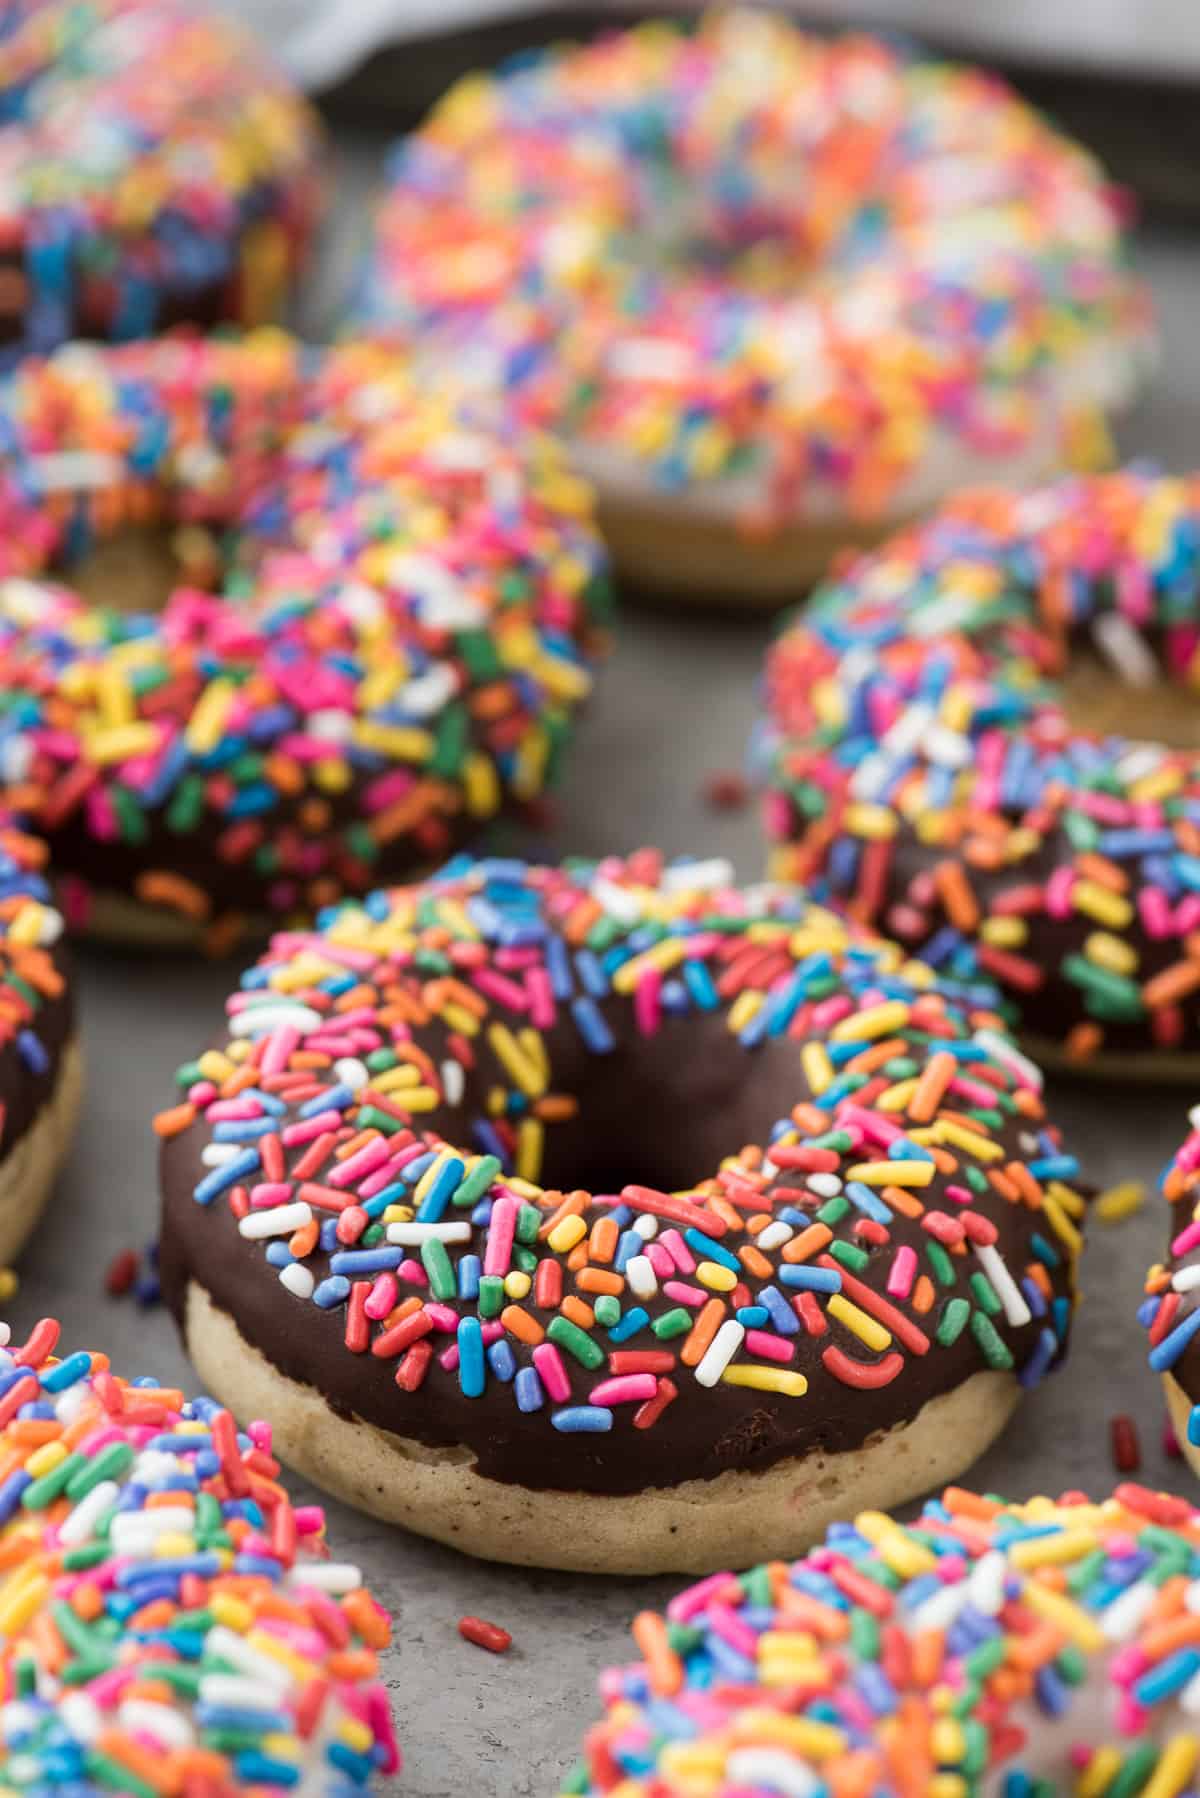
x: 1061, y: 1224
x: 1053, y: 1551
x: 1072, y: 1202
x: 481, y: 785
x: 44, y: 1459
x: 947, y: 1741
x: 121, y: 743
x: 969, y: 1141
x: 1004, y: 933
x: 1176, y: 1764
x: 902, y: 1552
x: 176, y: 1542
x: 529, y: 1148
x: 1111, y: 952
x: 872, y: 821
x: 1095, y: 901
x: 17, y: 1609
x: 355, y: 1734
x: 875, y: 1021
x: 818, y: 1069
x: 743, y: 1010
x: 268, y: 1644
x: 1099, y: 1774
x: 208, y: 717
x: 233, y: 1612
x: 420, y: 1098
x: 947, y: 1785
x: 664, y: 955
x: 517, y: 1284
x: 402, y: 742
x: 566, y: 1234
x: 214, y: 1066
x: 866, y: 1328
x: 762, y: 1378
x: 895, y: 1098
x: 1074, y: 1622
x: 512, y: 1058
x: 798, y: 1643
x: 803, y: 1734
x: 716, y: 1277
x: 1120, y: 1201
x: 892, y: 1173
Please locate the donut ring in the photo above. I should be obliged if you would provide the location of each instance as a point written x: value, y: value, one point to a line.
x: 924, y: 774
x: 41, y: 1063
x: 410, y: 606
x: 776, y: 292
x: 170, y: 1621
x: 500, y: 1359
x: 154, y: 166
x: 946, y: 1655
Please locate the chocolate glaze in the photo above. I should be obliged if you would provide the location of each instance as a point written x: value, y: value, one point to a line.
x: 24, y: 1092
x: 659, y: 1110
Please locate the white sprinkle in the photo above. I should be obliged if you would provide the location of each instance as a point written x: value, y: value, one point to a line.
x: 649, y: 359
x: 902, y: 737
x: 939, y: 1611
x: 279, y: 1220
x: 225, y: 1644
x: 1002, y: 1049
x: 1142, y: 759
x: 78, y: 469
x: 412, y: 1235
x: 454, y: 1082
x: 720, y: 1352
x: 824, y: 1186
x: 351, y: 1072
x: 16, y: 758
x: 1122, y: 1619
x: 298, y: 1279
x: 443, y: 600
x: 77, y: 1525
x: 216, y: 1154
x: 1126, y: 649
x: 329, y: 726
x: 646, y: 1226
x: 701, y: 877
x: 643, y: 1281
x: 327, y: 1576
x: 1189, y: 1698
x: 260, y: 1020
x: 170, y: 1728
x: 238, y: 1689
x: 985, y: 1583
x: 1187, y: 1279
x: 135, y: 1531
x: 948, y: 748
x: 772, y: 1770
x: 774, y: 1236
x: 24, y: 601
x: 422, y: 697
x: 81, y: 1715
x: 1005, y: 1287
x: 616, y: 900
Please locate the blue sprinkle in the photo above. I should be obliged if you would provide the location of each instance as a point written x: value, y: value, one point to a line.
x: 590, y: 1420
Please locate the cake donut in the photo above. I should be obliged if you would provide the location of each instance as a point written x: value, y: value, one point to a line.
x: 170, y: 1621
x: 988, y: 1647
x: 775, y: 291
x: 981, y: 740
x: 41, y: 1064
x: 381, y: 618
x: 1169, y: 1312
x: 526, y: 1193
x: 154, y: 166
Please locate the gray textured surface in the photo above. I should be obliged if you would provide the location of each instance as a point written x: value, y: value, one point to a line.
x: 676, y: 701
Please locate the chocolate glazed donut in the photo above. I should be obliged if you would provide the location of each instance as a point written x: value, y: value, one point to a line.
x: 775, y: 1198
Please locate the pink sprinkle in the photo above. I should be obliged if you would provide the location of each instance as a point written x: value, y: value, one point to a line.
x: 771, y: 1348
x: 497, y: 1257
x: 694, y: 1296
x: 678, y: 1250
x: 627, y: 1389
x: 382, y: 1296
x: 903, y: 1273
x: 553, y: 1374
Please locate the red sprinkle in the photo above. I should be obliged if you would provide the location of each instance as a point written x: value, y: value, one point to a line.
x: 1126, y: 1448
x: 726, y: 791
x: 484, y: 1634
x: 121, y: 1273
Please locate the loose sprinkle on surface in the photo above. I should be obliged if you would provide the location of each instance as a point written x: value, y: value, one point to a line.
x: 485, y: 1635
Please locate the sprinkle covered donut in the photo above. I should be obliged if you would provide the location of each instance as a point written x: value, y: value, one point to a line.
x: 986, y: 1648
x: 40, y: 1058
x: 982, y: 742
x: 154, y: 166
x: 773, y: 290
x: 170, y: 1621
x: 1169, y: 1312
x: 380, y: 621
x: 525, y: 1192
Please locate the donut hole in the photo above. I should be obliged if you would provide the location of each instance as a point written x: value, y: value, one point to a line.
x: 664, y: 1110
x: 1116, y: 684
x: 139, y: 567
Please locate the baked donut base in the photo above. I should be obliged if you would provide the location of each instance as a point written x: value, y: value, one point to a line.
x: 1179, y: 1409
x: 1146, y: 1068
x: 734, y: 1520
x: 27, y: 1174
x: 696, y: 560
x: 121, y: 919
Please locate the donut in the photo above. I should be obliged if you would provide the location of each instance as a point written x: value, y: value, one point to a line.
x: 171, y: 1621
x: 380, y: 620
x: 154, y: 166
x: 1168, y: 1313
x: 41, y: 1064
x: 776, y: 291
x: 973, y: 743
x: 988, y: 1647
x: 580, y: 1216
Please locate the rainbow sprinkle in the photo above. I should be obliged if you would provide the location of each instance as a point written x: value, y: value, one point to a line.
x: 154, y: 166
x: 785, y: 270
x: 33, y: 980
x: 169, y: 1621
x: 409, y: 609
x: 384, y: 1109
x: 924, y: 774
x: 1169, y: 1313
x: 988, y: 1648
